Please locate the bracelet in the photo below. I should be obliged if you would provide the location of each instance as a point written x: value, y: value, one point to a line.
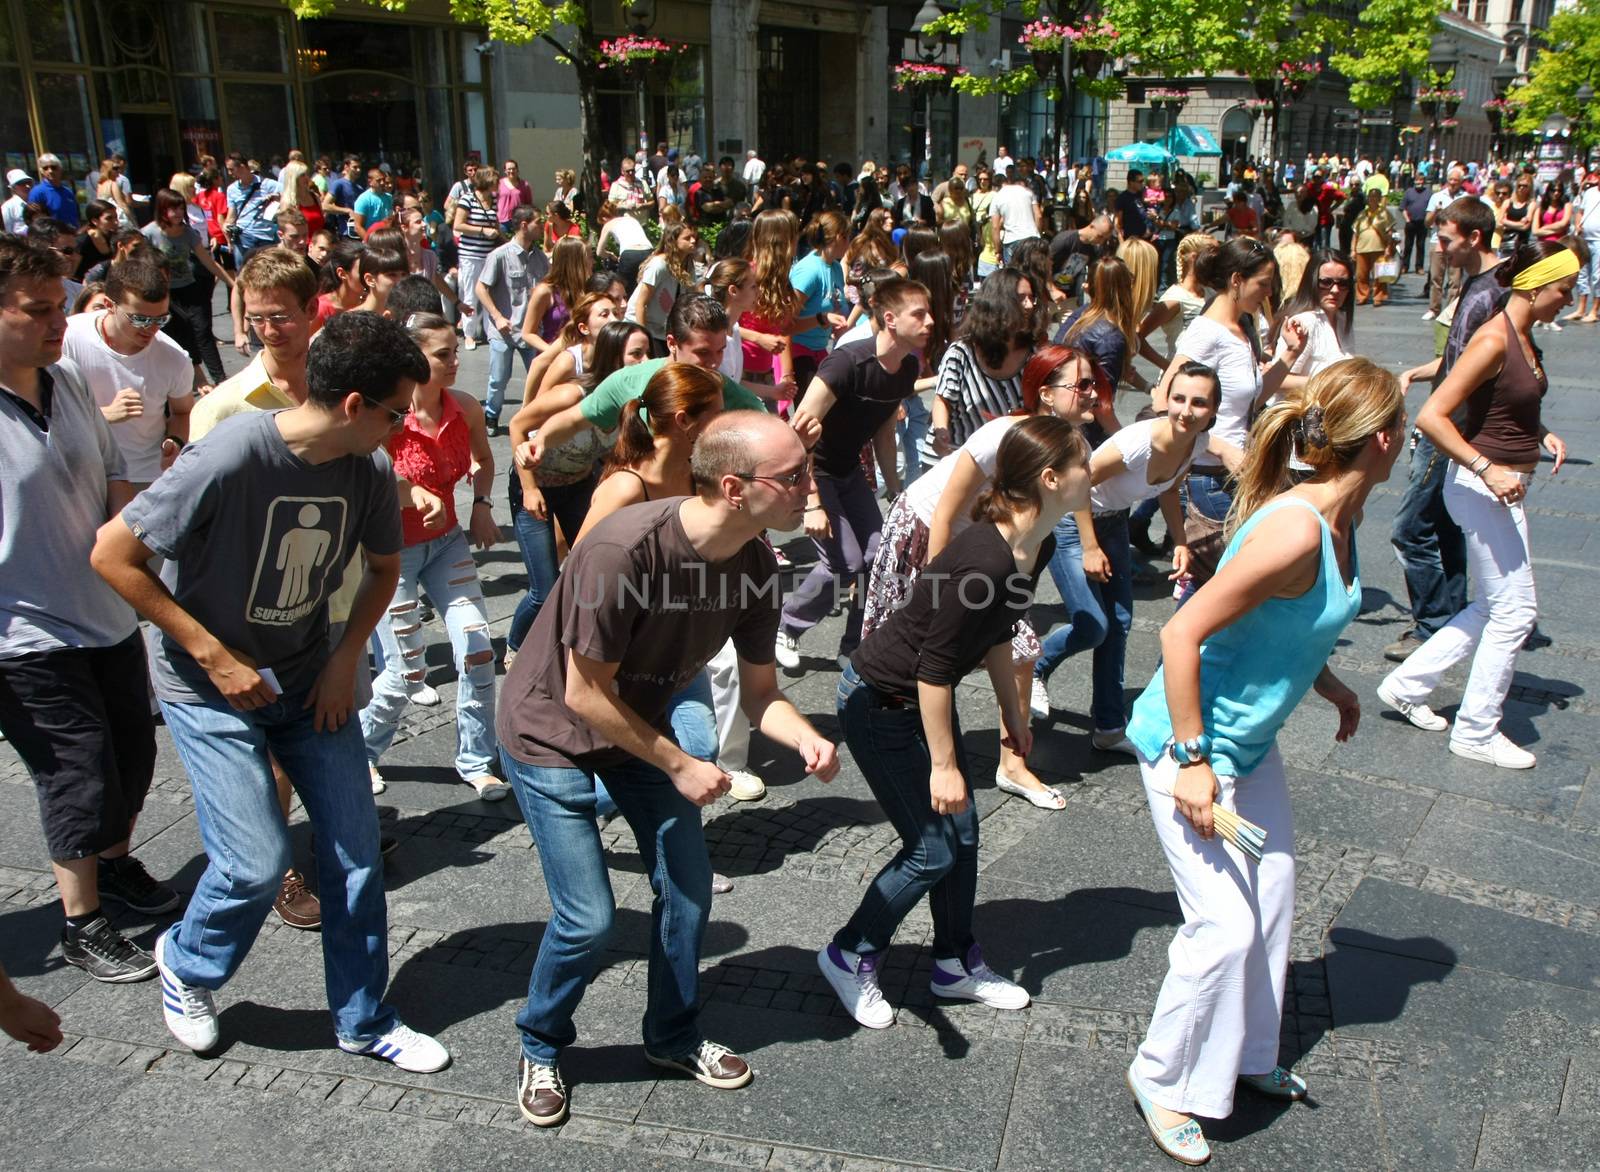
x: 816, y: 509
x: 482, y: 500
x: 1479, y: 466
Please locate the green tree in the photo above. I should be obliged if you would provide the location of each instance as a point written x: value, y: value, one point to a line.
x: 568, y: 27
x: 1390, y: 41
x: 1569, y: 61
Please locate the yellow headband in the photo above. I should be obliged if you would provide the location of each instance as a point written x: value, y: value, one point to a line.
x: 1551, y: 268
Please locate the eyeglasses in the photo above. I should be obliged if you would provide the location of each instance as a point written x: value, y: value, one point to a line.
x: 1084, y: 387
x: 793, y: 479
x: 1329, y: 283
x: 276, y: 320
x: 145, y: 321
x: 396, y: 418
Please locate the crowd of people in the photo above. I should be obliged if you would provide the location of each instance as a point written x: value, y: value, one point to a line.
x: 257, y: 557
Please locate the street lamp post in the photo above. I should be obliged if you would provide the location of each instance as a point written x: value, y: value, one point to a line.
x: 641, y: 16
x: 930, y: 47
x: 1442, y: 60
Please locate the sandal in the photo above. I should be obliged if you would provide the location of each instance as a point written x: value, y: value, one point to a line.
x: 489, y: 787
x: 1278, y: 1083
x: 1185, y: 1143
x: 1048, y: 798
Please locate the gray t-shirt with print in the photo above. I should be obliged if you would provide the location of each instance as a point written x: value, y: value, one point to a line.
x: 256, y: 540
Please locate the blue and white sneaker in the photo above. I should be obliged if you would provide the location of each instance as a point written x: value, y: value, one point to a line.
x: 190, y: 1012
x: 854, y: 978
x: 404, y: 1047
x: 976, y: 981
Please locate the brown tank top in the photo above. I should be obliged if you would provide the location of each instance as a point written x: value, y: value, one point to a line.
x: 1503, y: 413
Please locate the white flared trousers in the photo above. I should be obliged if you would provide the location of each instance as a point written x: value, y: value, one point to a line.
x: 1495, y: 624
x: 1221, y: 1004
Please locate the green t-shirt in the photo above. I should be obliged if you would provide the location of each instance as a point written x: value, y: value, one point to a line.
x: 603, y: 405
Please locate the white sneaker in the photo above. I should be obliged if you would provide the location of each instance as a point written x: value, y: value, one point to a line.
x: 1553, y: 325
x: 424, y: 694
x: 378, y: 783
x: 1420, y: 715
x: 1498, y: 752
x: 190, y: 1012
x: 404, y: 1047
x: 1039, y: 699
x: 787, y: 649
x: 1112, y: 741
x: 1429, y: 316
x: 976, y: 981
x: 857, y: 986
x: 744, y: 786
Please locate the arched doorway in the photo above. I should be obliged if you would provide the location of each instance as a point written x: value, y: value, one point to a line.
x: 1234, y: 136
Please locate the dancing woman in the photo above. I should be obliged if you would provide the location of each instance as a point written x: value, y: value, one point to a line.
x: 1236, y: 660
x: 897, y: 708
x: 1500, y: 383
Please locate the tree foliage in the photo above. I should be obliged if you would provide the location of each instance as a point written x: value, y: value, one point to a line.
x: 1570, y: 59
x: 1390, y: 40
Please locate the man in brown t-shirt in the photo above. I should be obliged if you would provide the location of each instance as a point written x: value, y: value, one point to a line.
x: 641, y: 605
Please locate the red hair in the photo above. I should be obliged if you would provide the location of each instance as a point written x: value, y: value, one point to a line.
x: 1045, y: 362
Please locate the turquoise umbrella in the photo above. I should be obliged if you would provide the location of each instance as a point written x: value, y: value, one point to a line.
x: 1148, y: 153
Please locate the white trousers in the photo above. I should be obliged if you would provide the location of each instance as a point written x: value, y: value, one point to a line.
x: 1495, y: 623
x: 1221, y: 1004
x: 733, y: 726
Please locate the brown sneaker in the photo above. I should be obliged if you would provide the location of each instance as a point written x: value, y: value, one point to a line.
x: 1400, y: 650
x: 296, y: 906
x: 716, y: 1066
x: 541, y: 1094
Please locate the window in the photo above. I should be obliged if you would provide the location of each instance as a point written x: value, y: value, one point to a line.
x: 368, y: 114
x: 53, y: 32
x: 249, y: 43
x: 259, y: 117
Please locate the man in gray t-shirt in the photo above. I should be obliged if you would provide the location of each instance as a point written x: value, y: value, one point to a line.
x: 256, y: 522
x: 504, y: 288
x: 72, y: 673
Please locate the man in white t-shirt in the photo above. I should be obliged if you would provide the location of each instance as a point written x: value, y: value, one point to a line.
x: 142, y: 380
x: 15, y: 210
x: 754, y: 168
x: 1586, y: 223
x: 1438, y: 272
x: 1015, y: 213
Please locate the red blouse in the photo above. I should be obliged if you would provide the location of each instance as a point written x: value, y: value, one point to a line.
x: 436, y: 462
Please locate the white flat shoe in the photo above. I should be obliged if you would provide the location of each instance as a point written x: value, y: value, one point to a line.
x: 1419, y: 715
x: 1048, y: 798
x: 1499, y: 752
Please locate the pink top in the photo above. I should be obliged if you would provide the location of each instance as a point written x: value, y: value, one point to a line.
x: 512, y: 196
x: 437, y: 462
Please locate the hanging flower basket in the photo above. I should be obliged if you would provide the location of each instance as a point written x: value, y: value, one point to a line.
x: 648, y: 59
x: 1297, y: 75
x: 910, y: 74
x: 1255, y: 107
x: 1449, y: 123
x: 1497, y: 106
x: 1089, y: 41
x: 1165, y: 97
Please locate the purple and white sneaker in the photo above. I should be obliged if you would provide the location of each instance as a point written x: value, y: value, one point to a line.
x: 976, y: 981
x: 854, y: 978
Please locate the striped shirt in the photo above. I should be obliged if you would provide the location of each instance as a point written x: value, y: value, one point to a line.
x: 973, y: 396
x: 478, y: 218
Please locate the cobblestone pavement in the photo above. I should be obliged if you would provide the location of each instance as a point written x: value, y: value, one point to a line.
x: 1444, y: 993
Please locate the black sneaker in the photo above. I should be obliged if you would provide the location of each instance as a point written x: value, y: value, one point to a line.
x: 126, y: 881
x: 105, y: 953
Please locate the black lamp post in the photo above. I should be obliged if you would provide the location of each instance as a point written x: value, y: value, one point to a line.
x: 1280, y: 92
x: 930, y: 47
x: 641, y: 16
x: 1442, y: 60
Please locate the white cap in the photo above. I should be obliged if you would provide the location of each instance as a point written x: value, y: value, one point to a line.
x: 17, y: 175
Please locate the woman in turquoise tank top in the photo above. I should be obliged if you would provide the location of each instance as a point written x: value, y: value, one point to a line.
x: 1237, y: 659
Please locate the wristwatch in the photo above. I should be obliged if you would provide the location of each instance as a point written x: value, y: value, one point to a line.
x: 1192, y: 751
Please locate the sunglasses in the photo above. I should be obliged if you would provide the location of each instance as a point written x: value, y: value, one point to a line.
x: 145, y: 321
x: 1083, y: 387
x: 793, y: 479
x: 396, y: 418
x: 1328, y: 283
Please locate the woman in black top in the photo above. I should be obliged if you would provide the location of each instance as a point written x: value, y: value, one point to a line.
x: 898, y: 712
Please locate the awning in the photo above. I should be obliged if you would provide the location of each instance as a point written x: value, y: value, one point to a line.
x: 1192, y: 142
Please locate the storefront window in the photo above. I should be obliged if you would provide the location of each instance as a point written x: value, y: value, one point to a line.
x: 260, y: 119
x: 186, y: 36
x: 368, y: 114
x: 14, y: 130
x: 64, y: 115
x: 471, y: 59
x: 198, y: 126
x: 250, y: 43
x: 359, y: 44
x: 438, y: 161
x: 474, y: 124
x: 53, y: 32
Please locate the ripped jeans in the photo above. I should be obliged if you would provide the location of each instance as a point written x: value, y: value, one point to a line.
x: 444, y: 568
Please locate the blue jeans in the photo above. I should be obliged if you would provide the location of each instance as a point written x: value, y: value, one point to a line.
x: 913, y: 430
x: 1113, y: 601
x: 247, y: 850
x: 694, y: 727
x: 567, y: 505
x: 559, y: 806
x: 846, y: 555
x: 1085, y: 628
x: 938, y: 854
x: 500, y: 370
x: 444, y: 568
x: 1211, y: 497
x: 1431, y: 546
